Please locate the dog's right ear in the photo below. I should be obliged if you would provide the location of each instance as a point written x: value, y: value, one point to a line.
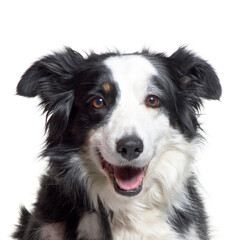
x: 52, y: 79
x: 50, y: 75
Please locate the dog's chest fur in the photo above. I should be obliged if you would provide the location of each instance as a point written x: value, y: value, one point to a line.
x: 135, y: 224
x: 141, y: 218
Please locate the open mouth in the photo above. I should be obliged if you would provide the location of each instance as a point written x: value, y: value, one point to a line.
x: 127, y: 180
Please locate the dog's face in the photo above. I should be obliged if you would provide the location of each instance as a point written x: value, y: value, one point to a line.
x: 133, y: 106
x: 121, y: 111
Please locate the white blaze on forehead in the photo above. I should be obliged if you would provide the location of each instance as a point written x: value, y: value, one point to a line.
x: 132, y: 73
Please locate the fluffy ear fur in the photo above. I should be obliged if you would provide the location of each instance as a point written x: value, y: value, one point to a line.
x: 52, y: 79
x: 194, y: 75
x: 195, y: 80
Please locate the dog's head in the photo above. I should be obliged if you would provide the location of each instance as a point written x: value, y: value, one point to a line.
x: 121, y: 111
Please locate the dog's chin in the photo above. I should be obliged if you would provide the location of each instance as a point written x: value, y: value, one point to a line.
x: 126, y: 180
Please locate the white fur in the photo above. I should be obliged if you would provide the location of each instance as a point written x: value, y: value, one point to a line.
x: 191, y: 235
x: 89, y: 226
x: 54, y: 231
x: 166, y: 151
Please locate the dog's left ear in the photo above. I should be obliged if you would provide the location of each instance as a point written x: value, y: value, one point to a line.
x: 194, y: 75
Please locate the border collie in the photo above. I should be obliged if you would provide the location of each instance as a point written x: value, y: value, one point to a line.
x: 122, y: 134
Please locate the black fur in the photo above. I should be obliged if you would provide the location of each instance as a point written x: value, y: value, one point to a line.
x: 195, y: 79
x: 192, y: 213
x: 23, y: 223
x: 192, y: 79
x: 66, y: 84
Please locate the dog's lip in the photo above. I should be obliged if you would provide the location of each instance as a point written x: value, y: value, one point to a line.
x: 127, y: 180
x: 128, y: 193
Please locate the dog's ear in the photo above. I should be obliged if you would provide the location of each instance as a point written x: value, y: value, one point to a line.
x: 195, y: 80
x: 52, y: 79
x: 194, y: 75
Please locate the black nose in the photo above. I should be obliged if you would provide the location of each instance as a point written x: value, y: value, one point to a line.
x: 130, y: 147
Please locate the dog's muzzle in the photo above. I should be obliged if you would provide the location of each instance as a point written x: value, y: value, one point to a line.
x: 127, y: 180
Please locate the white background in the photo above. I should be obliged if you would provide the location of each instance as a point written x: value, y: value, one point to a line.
x: 30, y: 29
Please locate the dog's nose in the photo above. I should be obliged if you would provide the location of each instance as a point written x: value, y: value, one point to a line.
x: 130, y: 147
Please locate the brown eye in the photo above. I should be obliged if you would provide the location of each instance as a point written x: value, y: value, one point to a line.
x: 98, y: 103
x: 152, y: 101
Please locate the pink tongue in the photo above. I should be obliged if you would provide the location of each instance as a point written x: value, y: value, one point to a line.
x: 128, y: 178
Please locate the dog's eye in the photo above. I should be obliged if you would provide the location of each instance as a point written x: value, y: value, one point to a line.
x: 152, y: 101
x: 98, y: 103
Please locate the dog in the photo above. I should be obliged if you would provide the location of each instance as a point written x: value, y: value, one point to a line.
x: 122, y: 135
